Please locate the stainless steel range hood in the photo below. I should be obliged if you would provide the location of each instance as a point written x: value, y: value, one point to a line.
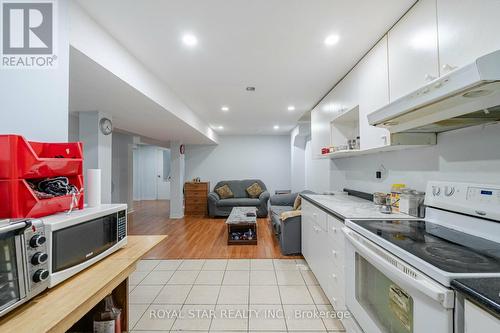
x: 465, y: 97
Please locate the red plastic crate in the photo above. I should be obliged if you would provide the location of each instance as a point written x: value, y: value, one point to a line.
x: 19, y: 201
x: 22, y: 159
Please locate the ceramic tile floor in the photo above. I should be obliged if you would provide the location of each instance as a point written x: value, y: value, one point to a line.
x: 240, y: 295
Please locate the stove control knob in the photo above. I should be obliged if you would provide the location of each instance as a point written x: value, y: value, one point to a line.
x: 40, y: 275
x: 39, y: 258
x: 449, y: 190
x: 436, y: 190
x: 37, y: 240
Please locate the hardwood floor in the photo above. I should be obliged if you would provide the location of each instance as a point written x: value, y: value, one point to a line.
x: 197, y: 237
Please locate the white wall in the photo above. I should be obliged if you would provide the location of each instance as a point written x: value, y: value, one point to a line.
x: 317, y: 171
x: 34, y: 102
x: 297, y: 161
x: 122, y: 169
x: 97, y: 150
x: 467, y: 155
x: 242, y: 157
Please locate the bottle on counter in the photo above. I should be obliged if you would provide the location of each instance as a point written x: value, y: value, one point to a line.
x: 396, y: 191
x: 108, y: 318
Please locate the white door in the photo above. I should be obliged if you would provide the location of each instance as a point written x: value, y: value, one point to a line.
x: 162, y: 174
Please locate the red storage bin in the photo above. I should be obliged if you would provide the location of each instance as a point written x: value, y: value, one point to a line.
x: 19, y: 201
x: 22, y: 159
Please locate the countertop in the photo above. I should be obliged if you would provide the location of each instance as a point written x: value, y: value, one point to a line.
x: 346, y: 206
x: 483, y: 291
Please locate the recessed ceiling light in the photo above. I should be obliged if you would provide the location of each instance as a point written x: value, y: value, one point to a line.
x: 250, y: 88
x: 225, y: 108
x: 331, y: 40
x: 189, y: 40
x: 276, y: 127
x: 291, y: 108
x: 220, y: 127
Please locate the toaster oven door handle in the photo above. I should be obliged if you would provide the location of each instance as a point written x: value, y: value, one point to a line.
x: 14, y: 226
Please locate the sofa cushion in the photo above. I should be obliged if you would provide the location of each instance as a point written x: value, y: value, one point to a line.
x: 224, y: 192
x: 238, y: 202
x: 254, y: 190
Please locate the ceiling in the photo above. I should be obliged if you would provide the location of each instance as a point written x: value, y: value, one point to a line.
x: 275, y: 45
x: 91, y: 85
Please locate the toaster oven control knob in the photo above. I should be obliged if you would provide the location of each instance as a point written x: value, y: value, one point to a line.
x: 39, y: 258
x: 40, y: 275
x: 37, y: 240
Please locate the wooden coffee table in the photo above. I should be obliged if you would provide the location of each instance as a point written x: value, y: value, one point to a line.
x: 238, y: 222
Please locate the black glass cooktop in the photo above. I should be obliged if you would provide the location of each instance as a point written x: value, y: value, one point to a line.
x: 447, y: 249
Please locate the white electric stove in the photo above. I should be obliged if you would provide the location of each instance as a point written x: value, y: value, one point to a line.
x: 399, y: 271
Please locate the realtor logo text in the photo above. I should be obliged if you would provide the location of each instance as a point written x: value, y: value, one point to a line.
x: 28, y: 34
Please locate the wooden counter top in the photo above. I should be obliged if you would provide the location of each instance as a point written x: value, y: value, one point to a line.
x: 57, y: 309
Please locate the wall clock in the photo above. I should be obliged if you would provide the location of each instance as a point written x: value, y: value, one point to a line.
x: 106, y: 126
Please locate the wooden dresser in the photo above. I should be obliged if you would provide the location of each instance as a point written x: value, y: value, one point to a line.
x: 196, y: 198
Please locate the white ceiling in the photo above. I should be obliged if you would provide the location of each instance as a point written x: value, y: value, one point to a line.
x: 275, y: 45
x: 90, y: 88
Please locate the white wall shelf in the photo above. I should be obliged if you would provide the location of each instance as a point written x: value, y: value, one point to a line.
x: 401, y: 141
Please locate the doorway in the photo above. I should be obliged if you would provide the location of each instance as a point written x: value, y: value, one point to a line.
x: 151, y: 179
x: 162, y: 174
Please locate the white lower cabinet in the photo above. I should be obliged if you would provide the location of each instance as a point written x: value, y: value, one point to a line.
x: 478, y: 320
x: 323, y: 249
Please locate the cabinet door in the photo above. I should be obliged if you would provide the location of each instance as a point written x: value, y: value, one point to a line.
x: 467, y: 29
x: 478, y: 320
x: 413, y: 50
x: 373, y: 93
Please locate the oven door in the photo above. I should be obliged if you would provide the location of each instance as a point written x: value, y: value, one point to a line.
x: 12, y: 276
x: 78, y: 243
x: 384, y: 294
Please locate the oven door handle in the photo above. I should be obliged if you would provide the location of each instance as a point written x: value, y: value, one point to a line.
x: 13, y: 227
x: 427, y: 287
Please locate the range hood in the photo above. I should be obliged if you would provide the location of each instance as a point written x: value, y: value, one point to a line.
x: 465, y: 97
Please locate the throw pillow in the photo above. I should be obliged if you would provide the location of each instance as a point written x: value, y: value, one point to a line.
x: 297, y: 203
x: 254, y: 190
x: 224, y: 192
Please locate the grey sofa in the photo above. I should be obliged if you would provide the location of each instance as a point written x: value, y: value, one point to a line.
x: 223, y: 207
x: 288, y: 232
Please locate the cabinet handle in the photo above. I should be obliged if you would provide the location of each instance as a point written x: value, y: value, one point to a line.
x: 334, y: 253
x: 448, y: 68
x: 429, y: 78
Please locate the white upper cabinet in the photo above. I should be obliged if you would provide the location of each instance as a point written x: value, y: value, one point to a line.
x: 373, y: 93
x: 413, y: 50
x: 467, y: 30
